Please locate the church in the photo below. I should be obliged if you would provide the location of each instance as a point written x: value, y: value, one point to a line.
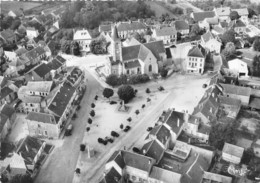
x: 137, y: 59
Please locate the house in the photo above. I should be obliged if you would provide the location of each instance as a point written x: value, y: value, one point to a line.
x: 8, y: 36
x: 112, y: 176
x: 153, y: 149
x: 238, y: 66
x: 83, y: 37
x: 252, y: 31
x: 39, y: 73
x: 232, y: 153
x: 106, y: 29
x: 213, y: 177
x: 44, y: 19
x: 31, y: 32
x: 238, y: 25
x: 243, y: 13
x: 7, y: 95
x: 213, y: 45
x: 200, y: 16
x: 7, y: 116
x: 125, y: 29
x: 61, y: 103
x: 182, y: 27
x: 56, y: 67
x: 207, y: 23
x: 217, y: 30
x: 223, y: 14
x: 75, y: 77
x: 39, y: 88
x: 166, y: 34
x: 43, y: 125
x: 31, y: 150
x: 137, y: 59
x: 165, y: 176
x: 237, y: 92
x: 196, y: 60
x: 206, y: 37
x: 35, y: 55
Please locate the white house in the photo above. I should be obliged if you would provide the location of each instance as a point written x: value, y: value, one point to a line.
x: 31, y: 32
x: 232, y: 153
x: 166, y: 34
x: 213, y: 45
x: 243, y: 13
x: 223, y: 14
x: 196, y: 60
x: 238, y: 66
x: 84, y: 38
x: 182, y: 27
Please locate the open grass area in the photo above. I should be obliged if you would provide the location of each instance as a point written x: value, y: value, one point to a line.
x: 6, y: 6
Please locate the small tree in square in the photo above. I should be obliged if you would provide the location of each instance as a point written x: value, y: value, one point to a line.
x: 137, y: 112
x: 129, y: 119
x: 93, y: 105
x: 108, y: 92
x: 82, y: 147
x: 92, y: 113
x: 143, y: 106
x: 89, y: 121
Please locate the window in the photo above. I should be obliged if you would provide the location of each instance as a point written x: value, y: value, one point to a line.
x: 31, y: 105
x: 45, y: 132
x: 127, y: 71
x: 39, y: 125
x: 150, y: 68
x: 138, y: 69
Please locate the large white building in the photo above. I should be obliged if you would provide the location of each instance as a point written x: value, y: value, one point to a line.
x: 84, y: 38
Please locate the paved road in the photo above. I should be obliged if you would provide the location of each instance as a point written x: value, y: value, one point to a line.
x: 60, y: 166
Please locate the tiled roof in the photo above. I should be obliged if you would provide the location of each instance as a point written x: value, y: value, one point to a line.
x: 41, y: 117
x: 132, y: 64
x: 200, y: 16
x: 164, y: 175
x: 218, y: 29
x: 241, y: 11
x: 181, y: 25
x: 61, y: 99
x: 105, y: 28
x: 156, y: 47
x: 131, y: 42
x: 34, y: 53
x: 197, y: 51
x: 28, y: 148
x: 161, y: 133
x: 127, y: 26
x: 153, y: 149
x: 82, y: 35
x: 212, y: 21
x: 213, y: 177
x: 21, y: 51
x: 224, y: 24
x: 237, y: 90
x: 175, y: 121
x: 74, y: 75
x: 254, y: 103
x: 165, y: 31
x: 239, y: 23
x: 112, y: 176
x: 6, y: 34
x: 207, y: 36
x: 54, y: 64
x: 130, y: 52
x: 40, y: 86
x: 117, y: 157
x: 7, y: 110
x: 5, y: 92
x: 60, y: 59
x: 223, y: 11
x: 138, y: 161
x: 229, y: 101
x: 143, y: 52
x: 233, y: 150
x: 42, y: 70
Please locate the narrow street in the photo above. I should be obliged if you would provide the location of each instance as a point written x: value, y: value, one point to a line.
x: 60, y: 165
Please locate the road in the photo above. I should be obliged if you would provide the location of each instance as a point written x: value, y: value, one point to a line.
x: 60, y: 165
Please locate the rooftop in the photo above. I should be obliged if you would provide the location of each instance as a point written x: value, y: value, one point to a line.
x: 209, y: 177
x: 176, y: 120
x: 42, y: 117
x: 237, y: 90
x: 165, y: 31
x: 153, y: 149
x: 161, y: 133
x: 233, y: 150
x: 164, y: 175
x: 131, y: 25
x: 200, y: 16
x: 181, y: 25
x: 40, y: 86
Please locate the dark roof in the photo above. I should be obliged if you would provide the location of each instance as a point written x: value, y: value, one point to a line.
x: 197, y: 51
x: 5, y: 92
x: 34, y: 53
x: 254, y: 103
x: 8, y: 33
x: 42, y: 70
x: 237, y: 90
x: 28, y: 148
x: 105, y: 28
x: 156, y: 47
x: 127, y: 26
x: 207, y: 36
x: 239, y: 23
x: 138, y: 161
x: 173, y: 119
x: 2, y: 121
x: 7, y: 110
x: 165, y: 31
x: 132, y: 64
x: 112, y: 176
x: 153, y: 149
x: 181, y: 25
x: 130, y: 52
x: 54, y: 64
x: 161, y: 133
x: 117, y: 157
x: 224, y: 24
x: 41, y: 117
x: 200, y: 16
x: 61, y: 99
x: 60, y: 59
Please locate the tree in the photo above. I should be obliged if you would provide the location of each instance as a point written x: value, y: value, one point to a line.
x: 126, y: 93
x: 93, y: 105
x: 19, y: 178
x: 148, y: 100
x: 163, y: 72
x: 179, y: 36
x: 137, y: 112
x: 195, y: 30
x: 143, y: 106
x: 15, y: 24
x: 98, y: 46
x: 75, y: 48
x: 256, y: 66
x: 256, y: 44
x: 121, y: 126
x: 65, y: 46
x: 89, y: 121
x: 228, y: 36
x: 229, y: 50
x: 107, y: 92
x: 87, y: 129
x: 112, y: 80
x: 220, y: 134
x: 92, y: 113
x: 251, y: 12
x: 149, y: 31
x: 82, y: 147
x: 139, y: 37
x: 129, y: 119
x: 234, y: 15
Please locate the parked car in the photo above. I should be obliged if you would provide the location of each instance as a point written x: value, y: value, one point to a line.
x: 112, y: 102
x: 204, y: 86
x: 127, y: 128
x: 110, y: 140
x: 68, y: 130
x: 114, y: 134
x: 149, y: 129
x: 136, y: 150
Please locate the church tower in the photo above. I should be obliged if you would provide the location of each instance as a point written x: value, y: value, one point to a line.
x: 116, y: 45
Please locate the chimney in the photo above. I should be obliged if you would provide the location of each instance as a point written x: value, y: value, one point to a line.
x: 144, y: 151
x: 116, y: 179
x: 178, y: 122
x: 186, y: 117
x: 26, y: 147
x: 149, y: 162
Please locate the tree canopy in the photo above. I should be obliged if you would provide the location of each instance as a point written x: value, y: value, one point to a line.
x: 256, y: 44
x: 98, y: 46
x: 108, y: 92
x: 256, y: 66
x: 234, y: 15
x: 229, y: 50
x: 126, y: 93
x: 228, y: 36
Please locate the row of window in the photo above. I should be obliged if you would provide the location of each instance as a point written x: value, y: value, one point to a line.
x: 195, y: 59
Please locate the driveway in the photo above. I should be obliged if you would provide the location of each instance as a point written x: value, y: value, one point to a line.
x: 60, y: 165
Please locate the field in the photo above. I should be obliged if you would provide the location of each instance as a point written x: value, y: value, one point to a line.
x: 6, y: 6
x: 159, y: 10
